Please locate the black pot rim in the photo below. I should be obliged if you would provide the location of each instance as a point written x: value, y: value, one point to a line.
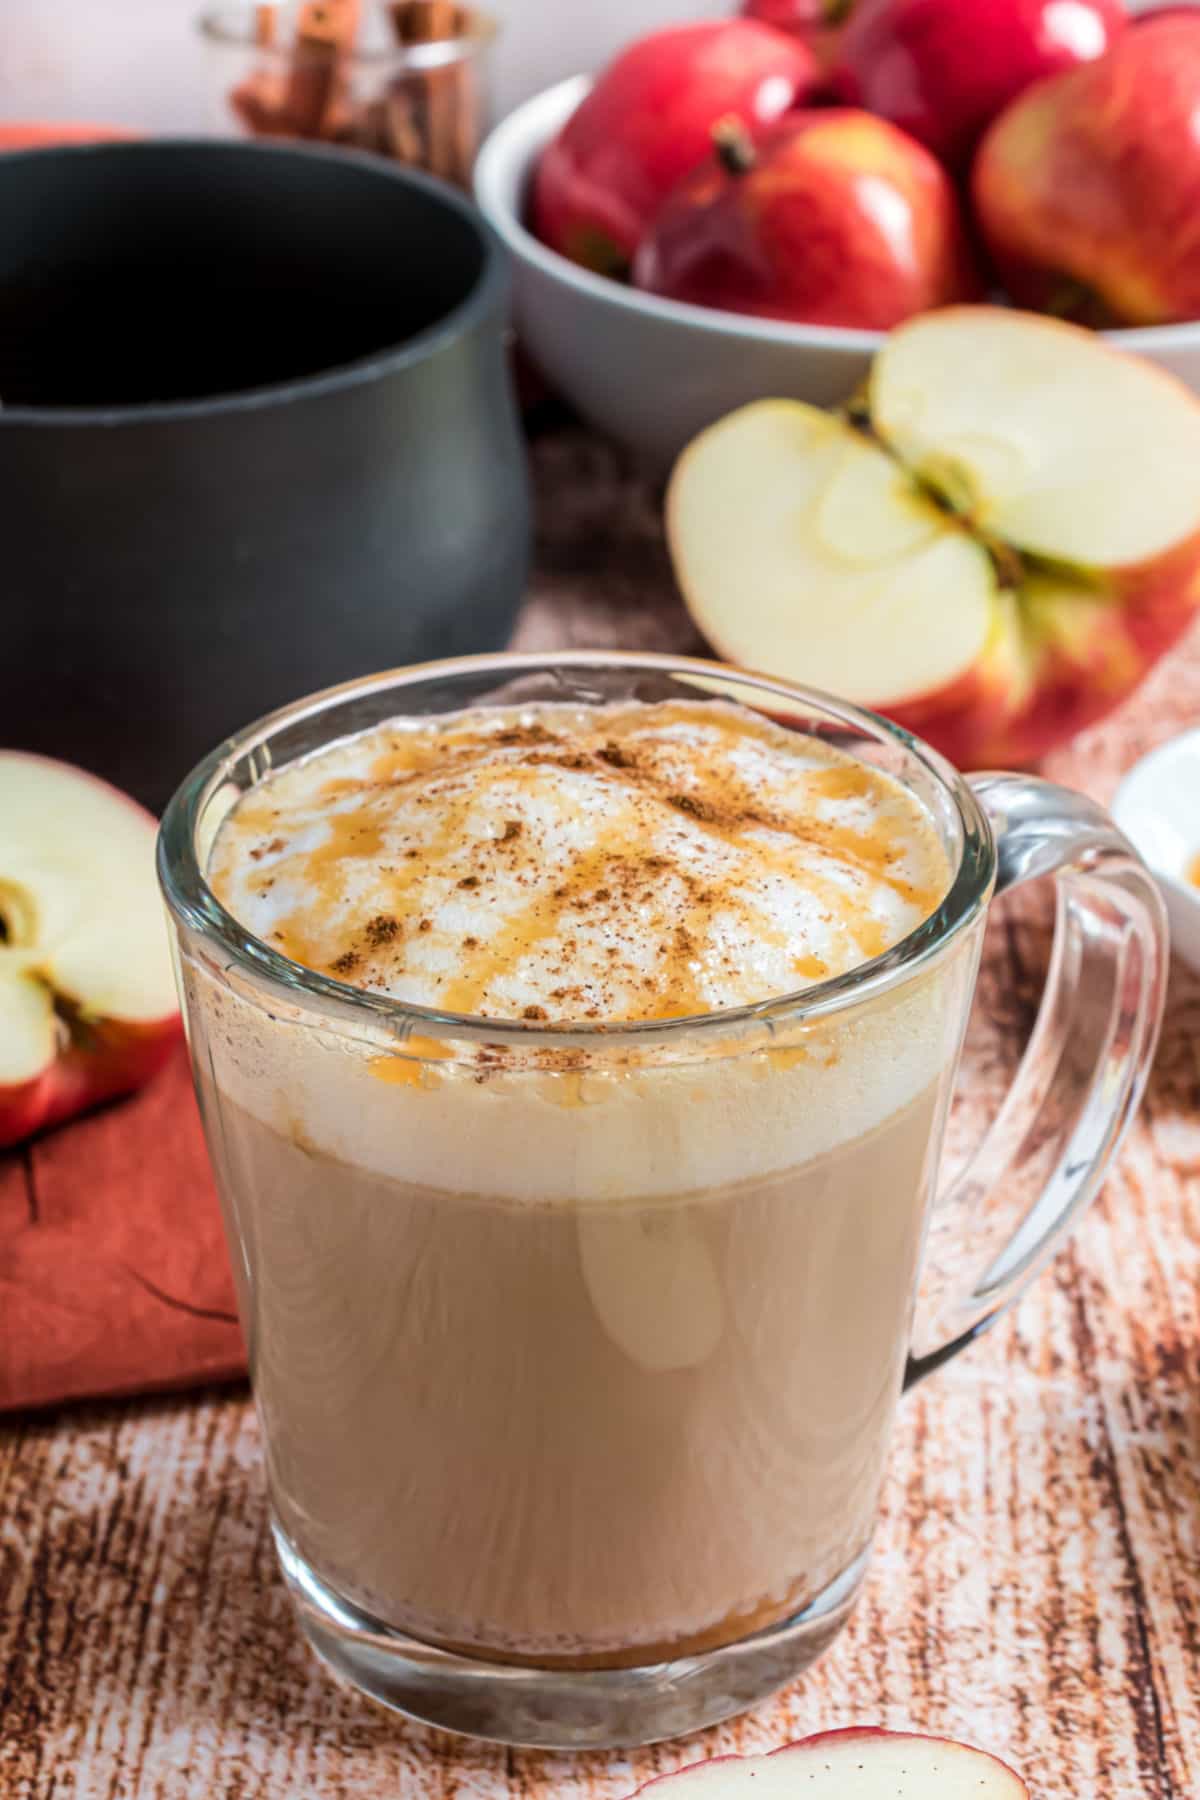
x: 487, y: 296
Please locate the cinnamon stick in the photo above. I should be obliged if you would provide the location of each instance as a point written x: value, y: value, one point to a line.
x: 325, y: 32
x: 469, y: 114
x: 428, y: 112
x: 266, y: 23
x: 433, y: 92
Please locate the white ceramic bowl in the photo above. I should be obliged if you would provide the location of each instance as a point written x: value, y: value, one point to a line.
x: 651, y: 372
x: 1157, y: 806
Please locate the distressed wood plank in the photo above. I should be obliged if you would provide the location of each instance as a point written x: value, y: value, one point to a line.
x: 1037, y: 1582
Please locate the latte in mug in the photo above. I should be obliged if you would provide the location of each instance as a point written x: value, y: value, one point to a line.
x: 567, y: 1359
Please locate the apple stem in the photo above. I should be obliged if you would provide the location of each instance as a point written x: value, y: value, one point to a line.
x: 1072, y: 299
x: 734, y: 146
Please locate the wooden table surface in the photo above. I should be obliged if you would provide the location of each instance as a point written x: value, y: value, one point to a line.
x: 1036, y: 1587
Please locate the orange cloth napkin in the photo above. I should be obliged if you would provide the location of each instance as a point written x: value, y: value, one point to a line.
x: 114, y: 1277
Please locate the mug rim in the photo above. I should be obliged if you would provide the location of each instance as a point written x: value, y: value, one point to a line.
x: 486, y: 297
x: 193, y: 902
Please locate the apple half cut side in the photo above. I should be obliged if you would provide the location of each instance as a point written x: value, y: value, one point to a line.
x: 993, y: 548
x: 857, y: 1764
x: 87, y: 995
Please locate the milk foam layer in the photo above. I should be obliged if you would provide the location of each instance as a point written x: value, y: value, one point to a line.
x: 836, y: 862
x: 574, y: 864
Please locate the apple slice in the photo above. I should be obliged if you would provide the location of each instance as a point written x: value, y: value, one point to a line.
x: 87, y: 994
x: 993, y: 550
x: 857, y: 1764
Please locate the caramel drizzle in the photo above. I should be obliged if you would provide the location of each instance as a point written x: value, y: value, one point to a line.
x: 839, y: 781
x: 616, y: 749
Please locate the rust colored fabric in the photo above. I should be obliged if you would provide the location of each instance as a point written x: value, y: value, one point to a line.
x: 114, y: 1277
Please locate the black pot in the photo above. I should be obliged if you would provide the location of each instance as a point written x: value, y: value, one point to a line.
x: 256, y: 437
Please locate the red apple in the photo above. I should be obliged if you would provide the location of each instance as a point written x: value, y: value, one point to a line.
x: 993, y: 549
x: 857, y: 1764
x: 87, y: 996
x: 817, y: 22
x: 801, y: 16
x: 943, y: 69
x: 647, y: 122
x: 1087, y: 188
x: 834, y: 218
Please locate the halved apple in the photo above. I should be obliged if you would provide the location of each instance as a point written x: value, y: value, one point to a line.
x: 993, y: 548
x: 87, y: 996
x: 857, y: 1764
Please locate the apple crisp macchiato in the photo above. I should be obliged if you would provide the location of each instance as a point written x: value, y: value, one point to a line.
x: 566, y: 1355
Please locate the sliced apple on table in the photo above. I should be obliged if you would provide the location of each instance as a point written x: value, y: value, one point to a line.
x: 87, y: 996
x: 857, y: 1764
x: 993, y: 547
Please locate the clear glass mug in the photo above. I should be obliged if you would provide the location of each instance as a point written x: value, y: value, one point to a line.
x: 576, y: 1349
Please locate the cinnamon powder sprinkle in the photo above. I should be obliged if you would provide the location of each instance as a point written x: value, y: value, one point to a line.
x: 382, y: 930
x: 694, y: 808
x: 523, y: 737
x: 689, y: 851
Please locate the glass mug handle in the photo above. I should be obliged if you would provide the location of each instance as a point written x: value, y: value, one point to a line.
x: 1083, y: 1072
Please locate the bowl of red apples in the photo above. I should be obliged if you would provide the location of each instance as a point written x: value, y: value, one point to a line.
x: 744, y: 207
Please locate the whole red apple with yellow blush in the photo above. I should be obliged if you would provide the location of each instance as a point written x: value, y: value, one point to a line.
x: 943, y: 69
x: 832, y: 218
x: 646, y: 123
x: 993, y: 547
x: 87, y: 995
x: 1087, y: 189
